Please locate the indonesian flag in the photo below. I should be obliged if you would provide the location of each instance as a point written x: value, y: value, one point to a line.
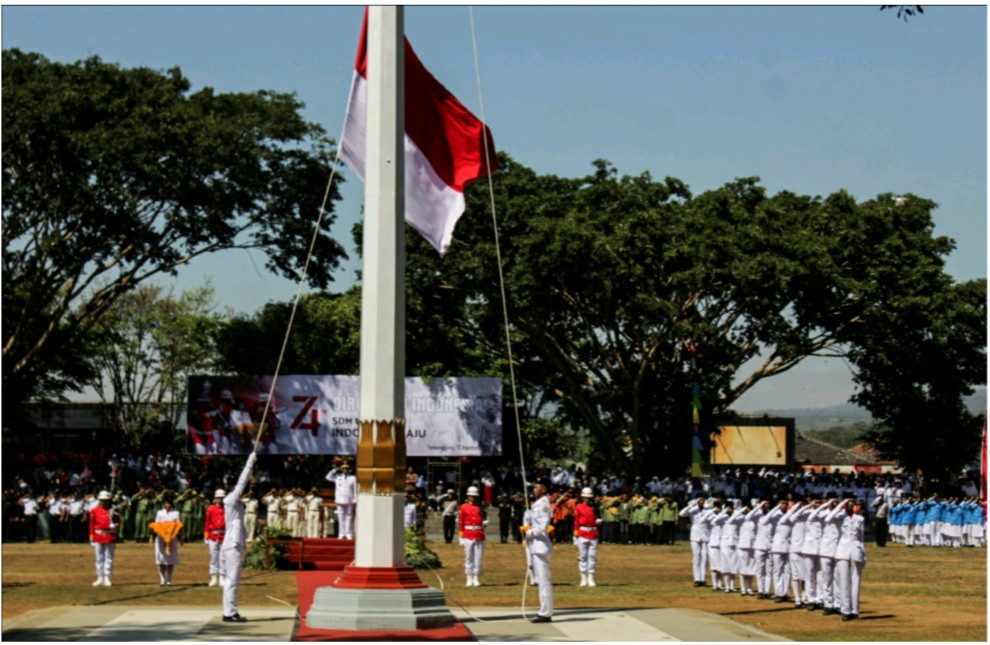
x: 443, y: 143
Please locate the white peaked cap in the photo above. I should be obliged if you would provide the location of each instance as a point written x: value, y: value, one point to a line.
x: 219, y: 493
x: 103, y: 495
x: 586, y: 492
x: 472, y: 491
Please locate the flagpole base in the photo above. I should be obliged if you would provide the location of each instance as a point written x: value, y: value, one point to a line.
x: 376, y: 599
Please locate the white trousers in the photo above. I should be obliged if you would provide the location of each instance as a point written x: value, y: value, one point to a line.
x: 811, y: 593
x: 104, y: 557
x: 761, y: 562
x: 215, y: 564
x: 231, y: 561
x: 250, y: 526
x: 541, y: 570
x: 699, y: 559
x: 313, y: 524
x: 587, y: 555
x: 474, y: 551
x: 781, y: 574
x: 826, y: 582
x: 715, y: 564
x: 796, y: 560
x: 847, y: 577
x: 346, y: 514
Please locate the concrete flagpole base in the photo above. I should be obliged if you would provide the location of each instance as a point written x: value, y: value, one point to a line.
x: 377, y: 599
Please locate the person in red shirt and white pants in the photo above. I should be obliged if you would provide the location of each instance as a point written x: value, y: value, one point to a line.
x: 213, y: 532
x: 103, y: 525
x: 471, y: 526
x: 586, y: 537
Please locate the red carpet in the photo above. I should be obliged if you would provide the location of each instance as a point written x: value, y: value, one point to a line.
x: 307, y: 582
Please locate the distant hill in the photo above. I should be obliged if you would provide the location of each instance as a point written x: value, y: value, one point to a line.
x: 812, y: 419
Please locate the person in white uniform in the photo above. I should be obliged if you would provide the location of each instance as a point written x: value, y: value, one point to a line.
x: 232, y: 551
x: 166, y: 561
x: 850, y: 558
x: 813, y: 528
x: 700, y: 532
x: 727, y: 547
x: 540, y: 548
x: 744, y: 547
x: 345, y: 497
x: 799, y: 516
x: 765, y: 528
x: 718, y: 519
x: 826, y: 558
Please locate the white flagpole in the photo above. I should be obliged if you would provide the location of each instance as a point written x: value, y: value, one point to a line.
x: 380, y: 539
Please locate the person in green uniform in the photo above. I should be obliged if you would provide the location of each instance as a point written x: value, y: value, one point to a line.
x: 668, y: 515
x: 142, y: 514
x: 185, y: 503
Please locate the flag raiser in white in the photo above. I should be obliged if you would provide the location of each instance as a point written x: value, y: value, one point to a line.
x: 318, y: 414
x: 444, y: 146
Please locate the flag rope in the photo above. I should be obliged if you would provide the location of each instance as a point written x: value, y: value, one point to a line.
x: 501, y: 284
x: 295, y: 302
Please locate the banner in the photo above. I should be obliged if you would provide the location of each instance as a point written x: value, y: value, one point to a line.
x: 318, y: 415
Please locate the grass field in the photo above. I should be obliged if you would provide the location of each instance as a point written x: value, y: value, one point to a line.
x: 916, y: 594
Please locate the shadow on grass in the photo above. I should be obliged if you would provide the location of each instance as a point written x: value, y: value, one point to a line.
x: 768, y: 610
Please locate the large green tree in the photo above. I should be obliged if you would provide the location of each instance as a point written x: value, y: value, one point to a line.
x: 610, y: 279
x: 112, y: 176
x: 146, y: 346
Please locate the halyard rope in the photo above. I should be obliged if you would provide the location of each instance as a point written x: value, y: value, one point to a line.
x: 501, y: 284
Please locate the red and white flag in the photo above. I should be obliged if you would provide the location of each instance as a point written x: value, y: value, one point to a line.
x: 444, y: 145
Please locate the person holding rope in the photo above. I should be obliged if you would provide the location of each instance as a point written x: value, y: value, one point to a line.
x: 232, y: 550
x: 540, y: 548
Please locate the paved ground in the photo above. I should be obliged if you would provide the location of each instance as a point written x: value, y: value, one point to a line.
x: 122, y: 623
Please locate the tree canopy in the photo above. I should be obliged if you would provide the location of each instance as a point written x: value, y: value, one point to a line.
x: 112, y: 176
x: 610, y: 278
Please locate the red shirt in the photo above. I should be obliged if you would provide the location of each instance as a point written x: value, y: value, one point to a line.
x: 214, y: 527
x: 469, y: 521
x: 585, y: 522
x: 101, y: 527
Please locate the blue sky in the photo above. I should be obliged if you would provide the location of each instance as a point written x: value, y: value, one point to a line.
x: 810, y: 99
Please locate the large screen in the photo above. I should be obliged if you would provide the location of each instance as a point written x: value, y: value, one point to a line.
x: 764, y: 445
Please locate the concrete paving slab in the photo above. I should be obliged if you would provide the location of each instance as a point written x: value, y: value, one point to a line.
x: 185, y: 624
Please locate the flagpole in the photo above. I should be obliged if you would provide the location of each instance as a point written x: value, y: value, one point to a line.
x: 379, y: 591
x: 382, y: 366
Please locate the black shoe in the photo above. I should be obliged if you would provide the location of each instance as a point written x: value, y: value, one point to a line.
x: 846, y: 617
x: 541, y: 619
x: 697, y: 584
x: 829, y: 611
x: 812, y: 607
x: 236, y: 618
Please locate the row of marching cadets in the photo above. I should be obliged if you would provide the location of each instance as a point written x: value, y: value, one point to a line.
x: 811, y: 552
x: 934, y: 522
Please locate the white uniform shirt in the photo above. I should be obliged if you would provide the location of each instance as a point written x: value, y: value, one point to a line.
x: 541, y: 517
x: 345, y: 486
x: 765, y: 526
x: 699, y: 521
x: 233, y: 508
x: 813, y: 527
x: 850, y: 545
x: 747, y: 531
x: 830, y: 533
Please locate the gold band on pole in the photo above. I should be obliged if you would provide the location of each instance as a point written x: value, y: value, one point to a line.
x: 381, y: 456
